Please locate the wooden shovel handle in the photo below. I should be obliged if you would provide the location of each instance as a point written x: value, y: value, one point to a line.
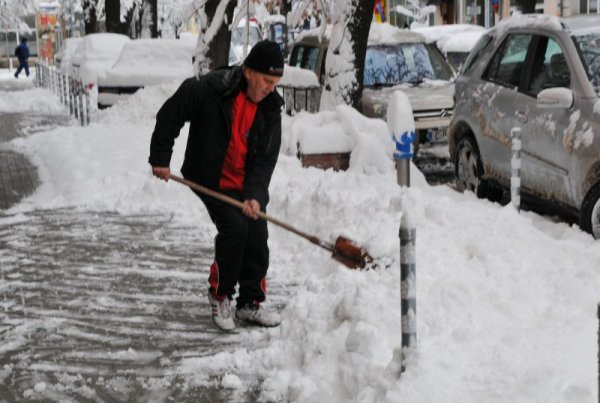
x: 236, y: 203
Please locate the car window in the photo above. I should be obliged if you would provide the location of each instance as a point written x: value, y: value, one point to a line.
x: 549, y: 67
x: 507, y: 64
x: 589, y: 49
x: 475, y: 52
x: 296, y: 56
x: 403, y: 63
x: 305, y: 57
x: 310, y: 62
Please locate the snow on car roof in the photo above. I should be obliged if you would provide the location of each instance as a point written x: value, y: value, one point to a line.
x: 385, y: 33
x: 442, y: 33
x: 548, y: 22
x: 461, y: 41
x: 151, y: 61
x: 102, y: 44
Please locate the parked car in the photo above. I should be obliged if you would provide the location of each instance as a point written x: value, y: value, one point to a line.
x: 96, y: 54
x: 395, y: 60
x: 144, y: 62
x: 541, y: 74
x: 62, y: 59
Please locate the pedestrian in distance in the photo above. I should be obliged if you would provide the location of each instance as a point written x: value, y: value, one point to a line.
x: 22, y: 53
x: 232, y: 147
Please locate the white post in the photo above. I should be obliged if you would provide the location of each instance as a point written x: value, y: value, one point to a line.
x: 515, y: 164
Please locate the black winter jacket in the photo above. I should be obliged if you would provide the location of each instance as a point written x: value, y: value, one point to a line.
x: 206, y: 102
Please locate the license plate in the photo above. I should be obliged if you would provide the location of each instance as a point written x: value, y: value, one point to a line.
x: 437, y: 136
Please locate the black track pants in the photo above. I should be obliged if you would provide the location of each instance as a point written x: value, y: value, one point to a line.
x: 241, y: 252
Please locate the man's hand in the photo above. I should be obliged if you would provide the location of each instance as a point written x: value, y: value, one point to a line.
x: 251, y: 208
x: 162, y: 172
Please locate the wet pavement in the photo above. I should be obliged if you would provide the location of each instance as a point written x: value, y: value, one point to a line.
x: 103, y: 307
x: 99, y: 306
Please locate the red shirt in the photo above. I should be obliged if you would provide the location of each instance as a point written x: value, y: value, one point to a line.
x: 234, y: 166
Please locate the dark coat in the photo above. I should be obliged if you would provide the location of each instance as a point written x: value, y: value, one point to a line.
x: 206, y: 102
x: 22, y: 52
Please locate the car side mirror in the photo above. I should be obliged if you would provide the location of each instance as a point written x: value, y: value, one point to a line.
x: 555, y: 98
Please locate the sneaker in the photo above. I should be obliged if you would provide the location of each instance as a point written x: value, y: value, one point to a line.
x: 255, y: 314
x: 221, y: 312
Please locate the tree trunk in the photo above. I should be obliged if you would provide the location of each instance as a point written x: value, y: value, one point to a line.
x: 112, y: 8
x: 89, y: 11
x: 346, y: 53
x: 212, y: 53
x: 153, y: 8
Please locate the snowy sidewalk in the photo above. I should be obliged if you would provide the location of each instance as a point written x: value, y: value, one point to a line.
x: 103, y: 307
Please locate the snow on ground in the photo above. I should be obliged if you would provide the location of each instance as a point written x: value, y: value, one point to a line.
x: 506, y: 302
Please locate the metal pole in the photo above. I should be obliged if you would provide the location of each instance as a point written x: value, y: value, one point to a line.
x: 7, y: 51
x: 70, y: 90
x: 515, y: 163
x: 403, y: 171
x: 80, y: 96
x: 408, y: 279
x: 87, y: 108
x: 598, y: 315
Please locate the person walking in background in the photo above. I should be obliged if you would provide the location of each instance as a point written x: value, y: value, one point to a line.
x: 232, y: 147
x: 22, y: 53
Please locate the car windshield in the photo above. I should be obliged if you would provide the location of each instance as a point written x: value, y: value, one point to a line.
x: 388, y: 65
x: 589, y: 46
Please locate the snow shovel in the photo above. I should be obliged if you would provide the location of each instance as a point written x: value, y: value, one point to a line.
x: 344, y: 250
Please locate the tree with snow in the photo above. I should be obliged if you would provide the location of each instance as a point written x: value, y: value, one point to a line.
x: 345, y: 63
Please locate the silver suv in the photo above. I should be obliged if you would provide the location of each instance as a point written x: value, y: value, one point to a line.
x: 540, y: 74
x: 401, y: 61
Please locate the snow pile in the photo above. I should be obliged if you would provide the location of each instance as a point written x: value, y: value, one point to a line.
x: 298, y: 77
x: 150, y: 61
x: 37, y: 100
x: 340, y: 131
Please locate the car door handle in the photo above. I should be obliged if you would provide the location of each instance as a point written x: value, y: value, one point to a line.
x: 521, y: 116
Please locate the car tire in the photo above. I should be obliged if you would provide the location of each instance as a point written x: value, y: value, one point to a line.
x: 589, y: 214
x: 469, y: 168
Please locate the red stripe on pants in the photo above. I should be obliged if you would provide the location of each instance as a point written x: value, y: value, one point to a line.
x: 213, y: 278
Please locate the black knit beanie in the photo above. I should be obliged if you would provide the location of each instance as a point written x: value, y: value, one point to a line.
x: 265, y: 57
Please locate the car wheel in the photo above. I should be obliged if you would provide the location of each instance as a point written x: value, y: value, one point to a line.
x: 589, y: 215
x: 469, y: 168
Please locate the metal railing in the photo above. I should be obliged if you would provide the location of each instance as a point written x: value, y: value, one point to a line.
x: 298, y: 99
x: 69, y: 91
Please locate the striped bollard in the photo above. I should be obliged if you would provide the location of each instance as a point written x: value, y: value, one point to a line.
x: 515, y: 164
x: 408, y: 282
